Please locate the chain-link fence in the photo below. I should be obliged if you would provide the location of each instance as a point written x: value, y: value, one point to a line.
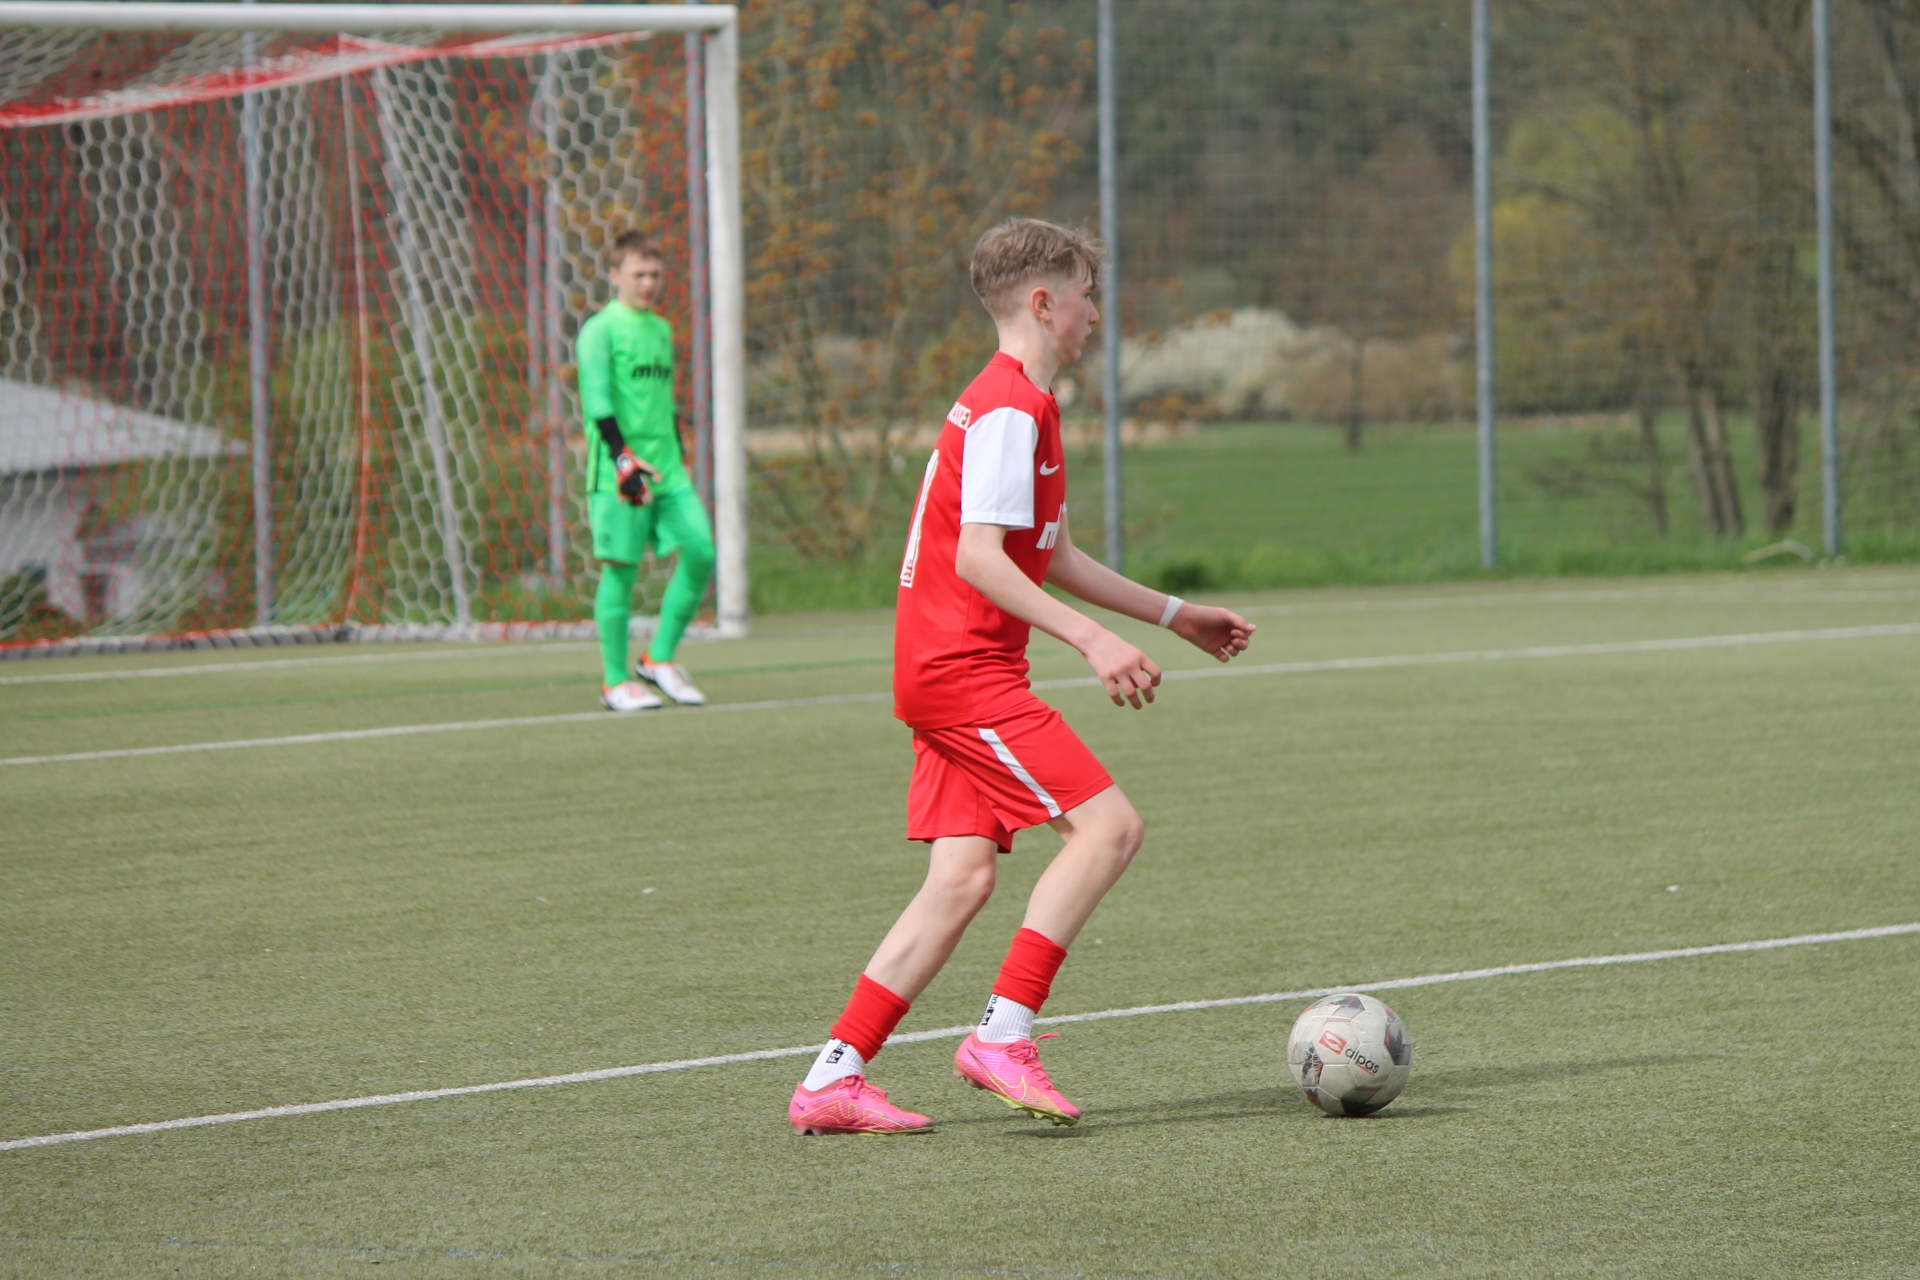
x: 1296, y: 211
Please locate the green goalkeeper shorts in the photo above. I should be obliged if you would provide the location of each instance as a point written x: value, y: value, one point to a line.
x: 622, y: 532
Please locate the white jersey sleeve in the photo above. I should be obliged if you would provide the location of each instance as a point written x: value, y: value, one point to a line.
x: 996, y: 474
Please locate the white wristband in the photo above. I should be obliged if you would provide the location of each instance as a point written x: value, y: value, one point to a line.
x: 1173, y: 607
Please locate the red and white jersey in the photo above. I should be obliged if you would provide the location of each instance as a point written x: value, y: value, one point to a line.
x: 957, y: 658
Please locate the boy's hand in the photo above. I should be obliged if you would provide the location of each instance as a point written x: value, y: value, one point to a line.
x: 1127, y: 674
x: 1220, y: 632
x: 633, y: 475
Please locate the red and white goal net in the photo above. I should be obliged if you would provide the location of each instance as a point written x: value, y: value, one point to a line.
x: 286, y: 318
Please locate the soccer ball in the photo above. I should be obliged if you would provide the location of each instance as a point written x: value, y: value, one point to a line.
x: 1349, y: 1054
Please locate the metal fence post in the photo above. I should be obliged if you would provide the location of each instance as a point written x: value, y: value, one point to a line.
x: 1823, y: 204
x: 554, y: 244
x: 259, y: 309
x: 700, y: 342
x: 536, y: 332
x: 1112, y: 493
x: 1483, y: 284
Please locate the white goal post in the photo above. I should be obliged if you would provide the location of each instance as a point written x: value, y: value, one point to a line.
x: 148, y: 437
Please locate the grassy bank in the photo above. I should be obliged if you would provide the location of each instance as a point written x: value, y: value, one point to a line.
x: 1286, y: 505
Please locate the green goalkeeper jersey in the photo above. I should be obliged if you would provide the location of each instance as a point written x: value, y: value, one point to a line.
x: 625, y: 358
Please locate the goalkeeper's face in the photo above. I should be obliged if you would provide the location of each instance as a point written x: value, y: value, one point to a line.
x: 636, y: 281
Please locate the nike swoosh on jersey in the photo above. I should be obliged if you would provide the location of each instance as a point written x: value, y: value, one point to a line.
x: 1046, y: 470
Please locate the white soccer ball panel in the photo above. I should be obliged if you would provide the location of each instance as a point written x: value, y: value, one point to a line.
x: 1349, y: 1054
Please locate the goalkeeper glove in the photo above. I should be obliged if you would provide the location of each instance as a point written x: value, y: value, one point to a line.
x: 633, y: 475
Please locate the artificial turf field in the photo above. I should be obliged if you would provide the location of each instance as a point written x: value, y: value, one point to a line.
x: 184, y: 934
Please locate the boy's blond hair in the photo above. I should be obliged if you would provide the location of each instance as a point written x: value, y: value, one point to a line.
x: 1020, y: 250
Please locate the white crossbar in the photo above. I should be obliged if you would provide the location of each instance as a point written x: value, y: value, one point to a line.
x: 89, y: 15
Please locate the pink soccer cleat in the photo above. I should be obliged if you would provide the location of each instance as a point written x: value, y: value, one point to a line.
x: 850, y: 1105
x: 1012, y: 1072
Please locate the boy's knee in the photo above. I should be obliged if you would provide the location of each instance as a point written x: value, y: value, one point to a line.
x: 1120, y: 824
x: 1112, y: 823
x: 979, y: 885
x: 968, y: 886
x: 1130, y: 831
x: 1121, y: 830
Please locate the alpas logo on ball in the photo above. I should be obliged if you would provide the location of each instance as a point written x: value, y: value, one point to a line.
x: 1351, y: 1053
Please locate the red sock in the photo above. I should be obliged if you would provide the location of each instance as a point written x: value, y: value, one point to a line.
x: 1026, y: 975
x: 869, y: 1018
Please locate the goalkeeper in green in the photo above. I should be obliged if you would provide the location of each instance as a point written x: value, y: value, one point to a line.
x: 638, y: 490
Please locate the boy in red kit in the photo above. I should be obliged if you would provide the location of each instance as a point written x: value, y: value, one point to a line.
x: 989, y: 527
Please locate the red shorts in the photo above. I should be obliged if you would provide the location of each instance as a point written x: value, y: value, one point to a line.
x: 992, y: 780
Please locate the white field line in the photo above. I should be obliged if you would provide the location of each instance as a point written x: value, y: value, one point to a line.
x: 1303, y: 608
x: 459, y: 726
x: 948, y: 1033
x: 1537, y: 651
x: 1077, y: 682
x: 282, y: 664
x: 1649, y: 596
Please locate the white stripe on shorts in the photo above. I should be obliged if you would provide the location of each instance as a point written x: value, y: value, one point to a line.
x: 1019, y: 771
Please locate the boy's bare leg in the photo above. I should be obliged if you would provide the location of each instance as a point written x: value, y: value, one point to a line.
x: 834, y: 1097
x: 1102, y: 835
x: 960, y: 874
x: 1001, y: 1056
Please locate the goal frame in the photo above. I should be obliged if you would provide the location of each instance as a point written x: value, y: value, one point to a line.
x: 717, y: 24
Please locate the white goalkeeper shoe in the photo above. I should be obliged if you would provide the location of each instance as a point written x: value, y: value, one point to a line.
x: 670, y: 678
x: 628, y: 695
